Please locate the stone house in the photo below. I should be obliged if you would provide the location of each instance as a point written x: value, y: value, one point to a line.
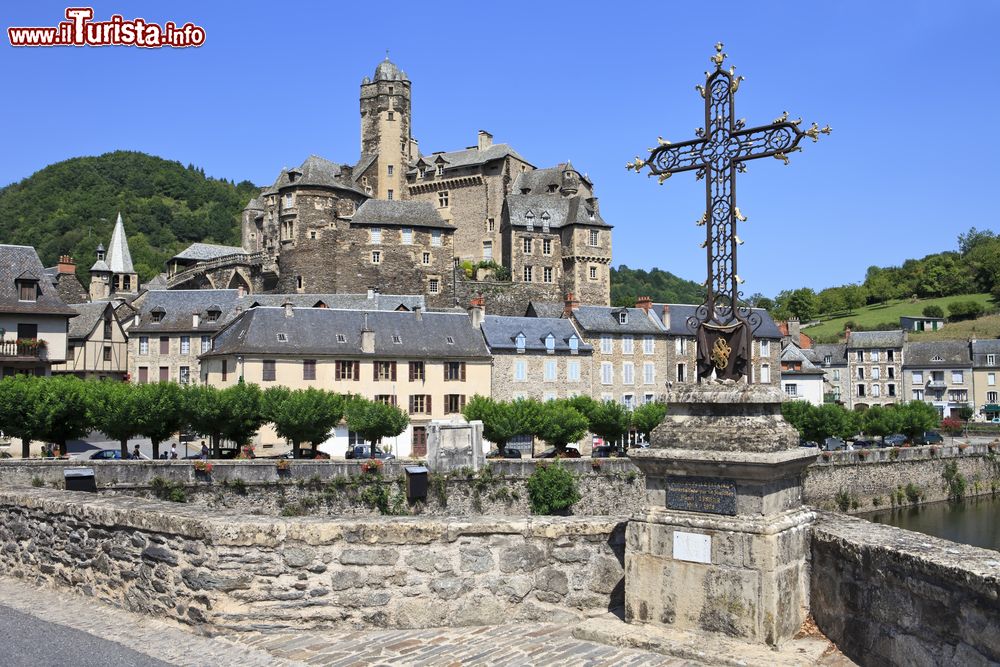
x: 832, y: 359
x: 985, y: 370
x: 171, y: 328
x: 801, y: 379
x: 874, y: 366
x: 428, y: 364
x: 98, y: 344
x: 63, y: 276
x: 940, y: 373
x: 34, y: 320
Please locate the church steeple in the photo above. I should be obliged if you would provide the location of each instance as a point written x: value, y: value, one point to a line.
x: 114, y: 274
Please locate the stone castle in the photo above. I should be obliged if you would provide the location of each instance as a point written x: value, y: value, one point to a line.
x: 399, y: 221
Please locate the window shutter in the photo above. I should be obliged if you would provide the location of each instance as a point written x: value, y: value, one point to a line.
x: 375, y: 370
x: 392, y: 370
x: 357, y: 371
x: 461, y: 367
x: 427, y: 405
x: 461, y: 402
x: 411, y: 405
x: 392, y: 400
x: 412, y: 373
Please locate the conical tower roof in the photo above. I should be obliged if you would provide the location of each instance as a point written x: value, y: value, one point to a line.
x: 119, y: 257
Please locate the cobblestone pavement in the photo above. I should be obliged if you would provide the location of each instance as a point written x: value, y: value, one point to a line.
x: 514, y: 645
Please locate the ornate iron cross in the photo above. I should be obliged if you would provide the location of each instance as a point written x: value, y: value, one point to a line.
x: 722, y: 324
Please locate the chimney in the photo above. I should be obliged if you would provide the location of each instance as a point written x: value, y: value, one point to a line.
x: 847, y: 334
x: 195, y: 320
x: 371, y: 293
x: 794, y: 330
x: 485, y: 140
x: 477, y: 311
x: 367, y: 338
x: 66, y: 265
x: 570, y: 305
x: 666, y: 315
x: 417, y: 313
x: 240, y: 292
x: 644, y: 302
x: 287, y: 305
x: 135, y: 320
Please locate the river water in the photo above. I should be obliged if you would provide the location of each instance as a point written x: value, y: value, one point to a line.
x: 975, y: 521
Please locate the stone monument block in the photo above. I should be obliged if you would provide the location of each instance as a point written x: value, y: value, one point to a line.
x: 451, y: 446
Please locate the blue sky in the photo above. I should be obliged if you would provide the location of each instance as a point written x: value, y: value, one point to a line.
x: 908, y: 87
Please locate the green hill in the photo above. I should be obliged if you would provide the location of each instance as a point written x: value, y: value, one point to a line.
x: 70, y: 206
x: 661, y: 286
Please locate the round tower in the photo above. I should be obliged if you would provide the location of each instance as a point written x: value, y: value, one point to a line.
x: 385, y: 129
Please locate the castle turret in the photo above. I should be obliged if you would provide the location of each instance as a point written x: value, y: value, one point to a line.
x: 385, y: 129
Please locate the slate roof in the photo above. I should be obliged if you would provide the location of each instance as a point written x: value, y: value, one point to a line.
x: 604, y: 319
x: 819, y: 351
x: 675, y: 320
x: 562, y: 211
x: 100, y: 265
x: 539, y: 180
x: 952, y: 353
x: 179, y: 306
x: 362, y: 166
x: 501, y: 331
x: 469, y: 157
x: 67, y: 285
x: 343, y: 301
x: 876, y: 339
x: 254, y: 204
x: 980, y: 348
x: 119, y: 258
x: 377, y: 212
x: 792, y: 354
x: 206, y: 251
x: 314, y: 331
x: 545, y: 309
x: 159, y: 281
x: 89, y: 315
x: 315, y: 171
x: 16, y: 260
x: 387, y: 71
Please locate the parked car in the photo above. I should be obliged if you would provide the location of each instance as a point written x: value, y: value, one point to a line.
x: 808, y: 443
x: 106, y: 455
x: 895, y: 440
x: 571, y: 453
x: 864, y: 444
x: 508, y: 453
x: 315, y: 454
x: 603, y: 452
x: 928, y: 438
x: 833, y: 443
x: 363, y: 452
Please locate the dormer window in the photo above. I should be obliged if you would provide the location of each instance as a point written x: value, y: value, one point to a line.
x: 450, y: 340
x: 545, y: 221
x: 937, y: 359
x: 529, y: 220
x: 157, y: 314
x: 282, y: 337
x: 397, y: 340
x: 623, y: 317
x: 525, y: 191
x: 553, y: 187
x: 519, y: 341
x: 341, y: 338
x: 550, y: 343
x: 439, y: 170
x: 574, y: 344
x: 213, y: 314
x: 27, y: 289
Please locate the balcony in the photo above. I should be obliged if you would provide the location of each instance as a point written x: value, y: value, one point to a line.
x: 23, y: 349
x: 936, y: 384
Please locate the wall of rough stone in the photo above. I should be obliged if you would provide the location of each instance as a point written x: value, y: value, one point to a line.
x: 888, y: 596
x: 236, y: 571
x: 506, y: 298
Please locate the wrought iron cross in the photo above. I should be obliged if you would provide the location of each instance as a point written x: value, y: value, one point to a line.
x: 722, y: 324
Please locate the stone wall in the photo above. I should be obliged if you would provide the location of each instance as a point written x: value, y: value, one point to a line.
x: 226, y: 570
x: 888, y: 596
x: 505, y: 298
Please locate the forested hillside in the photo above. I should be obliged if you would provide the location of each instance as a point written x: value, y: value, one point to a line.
x: 661, y: 286
x: 69, y: 207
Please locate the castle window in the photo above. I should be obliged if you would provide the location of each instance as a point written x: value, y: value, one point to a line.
x: 389, y: 170
x: 593, y: 273
x: 435, y: 237
x: 527, y: 274
x: 288, y: 200
x: 594, y: 237
x: 375, y: 235
x: 553, y: 187
x: 443, y: 199
x: 376, y: 257
x: 312, y: 234
x: 547, y: 274
x: 407, y: 235
x: 490, y: 225
x: 390, y: 90
x: 391, y: 116
x: 434, y: 285
x: 298, y: 282
x: 487, y: 251
x: 439, y: 170
x: 526, y: 244
x: 546, y: 246
x: 389, y: 195
x: 426, y: 258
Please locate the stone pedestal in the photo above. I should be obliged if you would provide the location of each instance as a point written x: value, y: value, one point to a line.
x: 722, y: 544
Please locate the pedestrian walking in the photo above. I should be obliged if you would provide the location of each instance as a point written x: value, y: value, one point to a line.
x: 204, y: 451
x: 173, y: 450
x: 136, y: 454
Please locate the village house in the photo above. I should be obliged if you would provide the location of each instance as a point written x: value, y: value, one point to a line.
x: 985, y: 370
x: 98, y: 345
x: 832, y: 359
x: 940, y: 373
x: 874, y: 365
x: 801, y: 379
x: 428, y: 364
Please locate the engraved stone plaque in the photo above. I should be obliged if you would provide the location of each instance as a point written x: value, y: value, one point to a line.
x: 692, y: 547
x: 702, y: 494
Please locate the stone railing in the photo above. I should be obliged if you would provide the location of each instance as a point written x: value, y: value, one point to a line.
x: 223, y: 570
x: 888, y: 596
x: 243, y: 258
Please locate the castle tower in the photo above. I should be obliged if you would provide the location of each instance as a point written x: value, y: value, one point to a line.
x: 113, y: 274
x: 385, y: 129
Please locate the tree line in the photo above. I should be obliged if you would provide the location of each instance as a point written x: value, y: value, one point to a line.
x: 561, y: 422
x: 974, y: 268
x: 660, y: 286
x: 816, y: 423
x: 62, y: 408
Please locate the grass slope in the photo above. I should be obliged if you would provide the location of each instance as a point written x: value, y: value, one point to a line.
x: 871, y: 316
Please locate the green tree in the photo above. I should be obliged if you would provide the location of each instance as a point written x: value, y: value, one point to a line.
x: 831, y: 300
x: 205, y: 412
x: 802, y: 304
x: 561, y: 425
x: 648, y: 416
x: 855, y: 296
x: 608, y: 420
x: 797, y: 414
x: 880, y: 422
x: 19, y: 414
x: 933, y: 310
x: 64, y: 409
x: 915, y: 417
x: 115, y: 412
x: 243, y: 412
x: 303, y: 415
x: 374, y: 420
x: 160, y: 407
x: 500, y: 422
x: 528, y: 414
x: 830, y: 420
x: 879, y: 285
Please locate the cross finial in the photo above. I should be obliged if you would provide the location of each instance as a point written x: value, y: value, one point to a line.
x: 387, y: 54
x: 719, y: 55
